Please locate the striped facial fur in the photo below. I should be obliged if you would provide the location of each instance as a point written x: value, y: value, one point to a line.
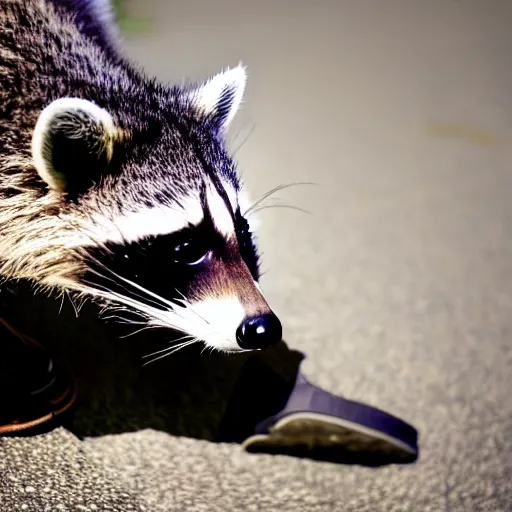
x: 118, y: 188
x: 200, y: 278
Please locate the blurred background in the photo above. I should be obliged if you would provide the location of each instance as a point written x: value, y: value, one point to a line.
x: 401, y: 113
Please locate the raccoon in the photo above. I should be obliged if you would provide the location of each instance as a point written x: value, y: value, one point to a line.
x: 118, y: 188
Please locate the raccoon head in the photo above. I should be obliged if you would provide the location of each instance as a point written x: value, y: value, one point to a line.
x: 154, y: 205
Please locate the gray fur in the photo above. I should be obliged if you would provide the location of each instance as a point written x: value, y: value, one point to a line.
x: 162, y: 146
x: 45, y: 55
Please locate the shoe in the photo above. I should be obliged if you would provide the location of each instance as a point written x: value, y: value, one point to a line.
x: 318, y: 425
x: 35, y: 390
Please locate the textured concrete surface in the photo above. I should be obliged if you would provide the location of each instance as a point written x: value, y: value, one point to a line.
x: 399, y: 283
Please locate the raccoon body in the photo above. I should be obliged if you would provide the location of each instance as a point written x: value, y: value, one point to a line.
x: 119, y: 188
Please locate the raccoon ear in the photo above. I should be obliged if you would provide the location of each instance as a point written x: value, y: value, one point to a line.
x: 220, y: 97
x: 73, y: 141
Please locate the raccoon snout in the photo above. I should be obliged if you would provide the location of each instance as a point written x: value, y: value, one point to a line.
x: 259, y: 332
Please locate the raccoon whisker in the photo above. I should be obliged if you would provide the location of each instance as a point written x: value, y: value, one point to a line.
x: 61, y: 303
x: 103, y: 288
x: 166, y: 349
x: 157, y: 299
x: 81, y: 303
x: 272, y: 192
x: 119, y: 308
x: 121, y: 320
x: 210, y: 349
x: 291, y: 207
x: 113, y: 315
x: 183, y: 345
x: 205, y: 349
x: 181, y: 294
x: 190, y: 306
x: 173, y: 351
x: 160, y: 303
x: 142, y: 329
x: 146, y: 300
x: 179, y: 318
x: 107, y: 295
x: 239, y: 147
x: 72, y: 303
x: 163, y: 304
x: 183, y: 300
x: 155, y: 317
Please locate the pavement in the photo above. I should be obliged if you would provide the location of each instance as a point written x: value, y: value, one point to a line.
x: 397, y: 284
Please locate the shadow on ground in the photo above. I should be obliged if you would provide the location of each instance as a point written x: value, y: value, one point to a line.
x: 191, y: 393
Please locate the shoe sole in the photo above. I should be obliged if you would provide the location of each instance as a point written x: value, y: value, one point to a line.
x: 332, y: 439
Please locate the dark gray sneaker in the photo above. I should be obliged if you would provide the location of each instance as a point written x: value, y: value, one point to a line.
x: 319, y: 425
x: 35, y: 390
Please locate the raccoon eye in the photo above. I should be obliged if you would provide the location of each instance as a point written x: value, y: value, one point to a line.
x: 190, y: 252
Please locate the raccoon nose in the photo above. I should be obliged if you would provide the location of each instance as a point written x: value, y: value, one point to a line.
x: 259, y: 332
